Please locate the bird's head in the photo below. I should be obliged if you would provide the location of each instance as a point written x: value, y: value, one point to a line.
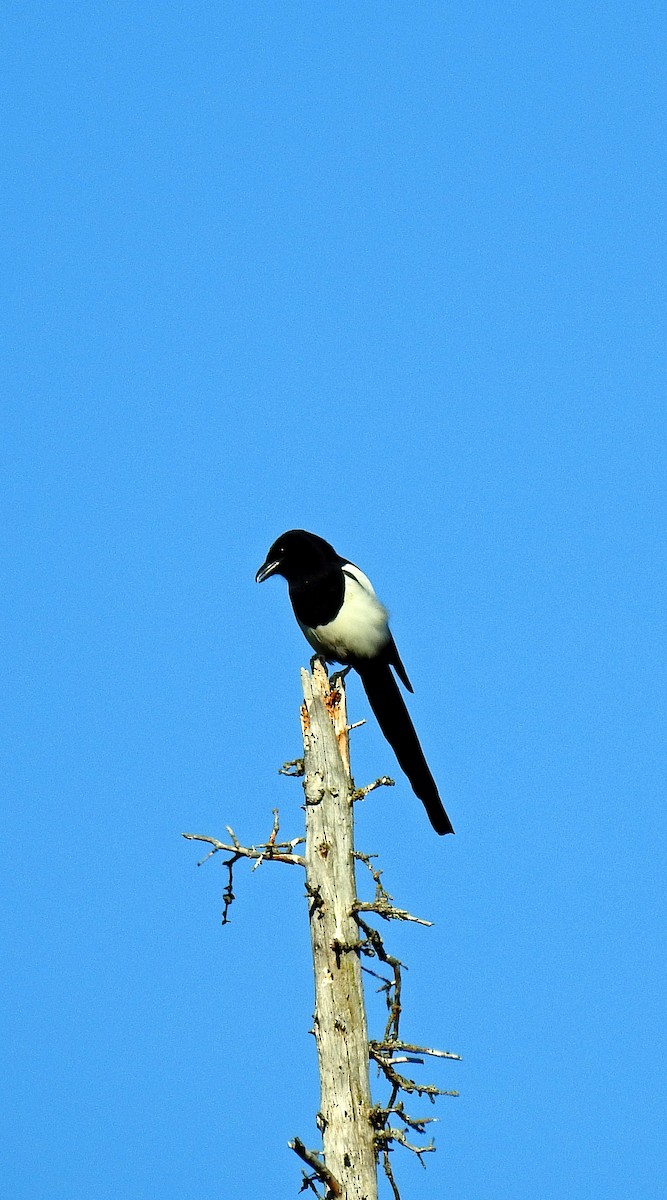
x: 295, y: 554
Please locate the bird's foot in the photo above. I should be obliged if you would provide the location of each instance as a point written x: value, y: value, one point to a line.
x: 335, y: 679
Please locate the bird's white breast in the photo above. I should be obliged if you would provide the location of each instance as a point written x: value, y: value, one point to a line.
x: 360, y: 628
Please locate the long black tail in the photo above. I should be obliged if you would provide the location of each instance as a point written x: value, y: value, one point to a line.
x: 394, y: 720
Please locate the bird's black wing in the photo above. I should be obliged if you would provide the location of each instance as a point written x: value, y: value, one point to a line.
x: 394, y: 658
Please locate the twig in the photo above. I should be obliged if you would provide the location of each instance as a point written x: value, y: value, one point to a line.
x: 293, y: 769
x: 271, y: 849
x: 397, y: 1045
x: 388, y: 912
x: 362, y: 792
x: 416, y: 1123
x: 398, y: 1135
x: 321, y: 1171
x: 401, y: 1083
x: 384, y: 1053
x: 279, y: 852
x: 308, y: 1184
x: 382, y: 904
x: 392, y: 988
x: 386, y: 1151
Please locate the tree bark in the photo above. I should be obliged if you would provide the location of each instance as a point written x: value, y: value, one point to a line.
x: 340, y: 1027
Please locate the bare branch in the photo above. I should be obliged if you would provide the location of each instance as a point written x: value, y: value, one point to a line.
x: 382, y: 904
x: 388, y: 912
x: 280, y: 852
x: 321, y: 1171
x: 401, y: 1083
x: 308, y: 1184
x: 362, y: 792
x: 397, y: 1045
x: 293, y: 769
x: 398, y: 1135
x: 271, y: 849
x: 388, y: 1172
x: 416, y: 1123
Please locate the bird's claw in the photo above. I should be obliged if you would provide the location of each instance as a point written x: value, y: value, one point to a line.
x: 335, y: 679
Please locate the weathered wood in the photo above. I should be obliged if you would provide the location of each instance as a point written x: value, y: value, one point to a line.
x: 340, y: 1025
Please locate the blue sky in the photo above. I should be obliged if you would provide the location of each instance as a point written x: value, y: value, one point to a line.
x: 394, y: 273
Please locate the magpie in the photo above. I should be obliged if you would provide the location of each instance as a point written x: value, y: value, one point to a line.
x: 338, y: 611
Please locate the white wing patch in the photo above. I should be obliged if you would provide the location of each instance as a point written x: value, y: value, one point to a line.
x: 353, y: 572
x: 360, y: 629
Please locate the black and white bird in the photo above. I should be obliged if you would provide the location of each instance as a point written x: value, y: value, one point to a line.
x: 337, y: 609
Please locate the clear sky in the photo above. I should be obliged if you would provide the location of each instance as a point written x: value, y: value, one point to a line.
x: 394, y: 273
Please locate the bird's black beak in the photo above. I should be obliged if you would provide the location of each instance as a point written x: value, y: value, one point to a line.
x: 266, y: 569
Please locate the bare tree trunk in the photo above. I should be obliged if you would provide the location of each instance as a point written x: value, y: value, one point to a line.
x: 354, y: 1131
x: 340, y: 1024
